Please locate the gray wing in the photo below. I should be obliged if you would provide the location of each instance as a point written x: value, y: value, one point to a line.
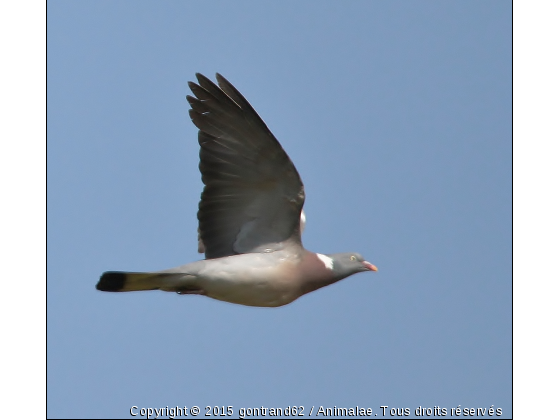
x: 253, y: 195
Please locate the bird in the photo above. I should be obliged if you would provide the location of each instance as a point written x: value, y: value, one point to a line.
x: 250, y: 215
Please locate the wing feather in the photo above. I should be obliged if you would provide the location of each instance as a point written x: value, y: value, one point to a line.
x: 253, y: 194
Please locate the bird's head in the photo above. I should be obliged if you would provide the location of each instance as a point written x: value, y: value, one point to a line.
x: 348, y: 263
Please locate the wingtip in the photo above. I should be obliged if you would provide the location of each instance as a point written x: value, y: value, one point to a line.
x: 191, y: 99
x: 202, y: 79
x: 111, y: 281
x: 223, y: 82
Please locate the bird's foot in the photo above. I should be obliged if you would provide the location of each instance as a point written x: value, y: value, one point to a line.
x: 191, y: 292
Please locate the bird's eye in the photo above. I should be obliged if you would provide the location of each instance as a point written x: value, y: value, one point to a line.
x: 352, y: 258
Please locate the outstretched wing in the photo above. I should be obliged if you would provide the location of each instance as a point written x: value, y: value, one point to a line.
x: 253, y: 195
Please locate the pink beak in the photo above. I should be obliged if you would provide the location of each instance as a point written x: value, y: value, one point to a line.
x: 369, y: 266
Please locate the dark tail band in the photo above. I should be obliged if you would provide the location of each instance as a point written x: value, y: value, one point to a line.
x: 111, y: 281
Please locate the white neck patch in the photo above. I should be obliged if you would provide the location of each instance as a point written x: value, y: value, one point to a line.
x: 329, y: 263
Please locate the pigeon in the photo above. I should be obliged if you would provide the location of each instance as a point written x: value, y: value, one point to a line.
x: 250, y: 215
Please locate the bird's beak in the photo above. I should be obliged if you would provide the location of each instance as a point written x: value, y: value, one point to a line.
x: 369, y: 266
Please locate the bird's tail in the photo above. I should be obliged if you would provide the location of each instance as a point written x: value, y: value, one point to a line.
x: 122, y: 281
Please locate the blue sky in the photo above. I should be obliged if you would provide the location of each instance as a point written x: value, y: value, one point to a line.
x: 398, y: 118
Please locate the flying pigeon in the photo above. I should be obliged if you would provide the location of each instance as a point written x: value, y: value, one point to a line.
x: 250, y: 216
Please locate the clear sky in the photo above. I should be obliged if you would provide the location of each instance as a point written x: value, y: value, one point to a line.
x: 398, y: 118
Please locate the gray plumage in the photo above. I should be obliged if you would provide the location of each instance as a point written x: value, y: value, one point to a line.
x: 250, y: 214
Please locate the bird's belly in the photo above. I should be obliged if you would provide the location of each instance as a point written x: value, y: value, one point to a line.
x: 252, y: 291
x: 267, y: 280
